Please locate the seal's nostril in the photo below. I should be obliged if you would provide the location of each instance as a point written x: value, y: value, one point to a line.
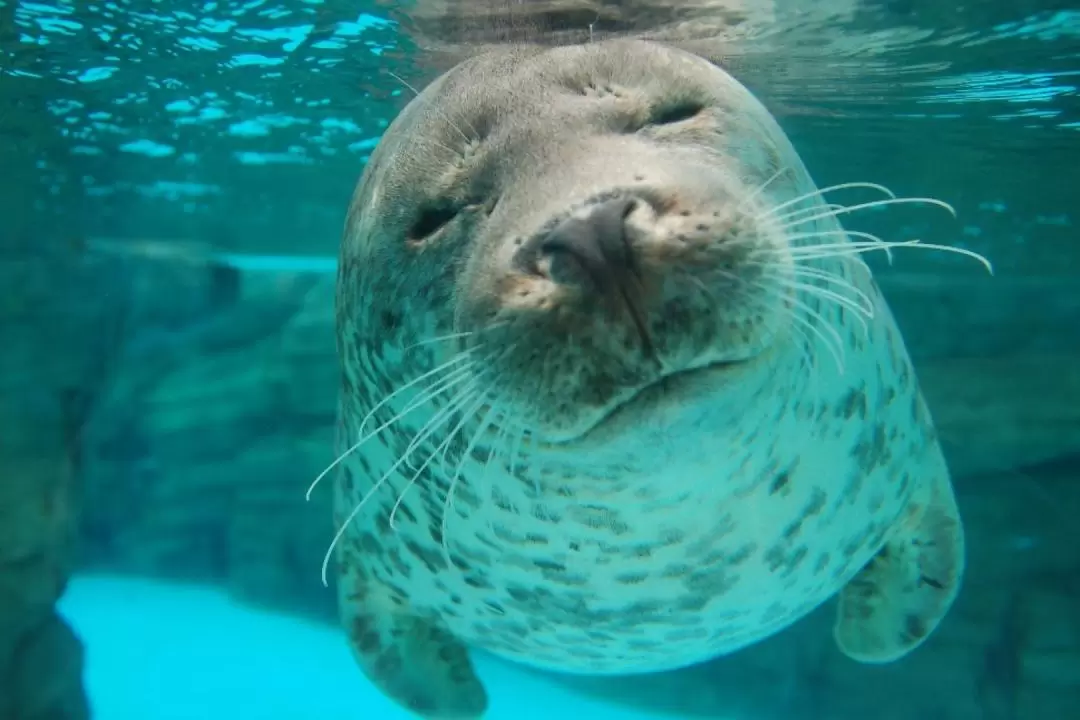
x: 591, y: 252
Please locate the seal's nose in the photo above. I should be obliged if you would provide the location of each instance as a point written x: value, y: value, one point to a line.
x: 591, y: 252
x: 591, y: 249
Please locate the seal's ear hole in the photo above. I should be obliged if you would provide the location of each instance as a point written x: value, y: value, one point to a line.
x: 432, y: 219
x: 676, y: 113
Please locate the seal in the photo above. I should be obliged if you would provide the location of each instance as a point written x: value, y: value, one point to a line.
x: 619, y: 394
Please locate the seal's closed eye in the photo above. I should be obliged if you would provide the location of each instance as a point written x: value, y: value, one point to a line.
x: 432, y: 219
x: 672, y: 114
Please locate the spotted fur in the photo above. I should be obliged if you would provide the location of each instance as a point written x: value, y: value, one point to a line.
x: 598, y: 527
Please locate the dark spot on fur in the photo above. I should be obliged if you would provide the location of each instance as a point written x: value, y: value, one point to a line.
x: 632, y: 578
x: 852, y: 404
x: 931, y: 582
x: 364, y: 464
x: 742, y: 554
x: 388, y: 663
x: 390, y: 320
x: 779, y: 483
x: 914, y: 627
x: 368, y: 643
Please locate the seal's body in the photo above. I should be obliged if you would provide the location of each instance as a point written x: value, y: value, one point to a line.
x: 619, y: 395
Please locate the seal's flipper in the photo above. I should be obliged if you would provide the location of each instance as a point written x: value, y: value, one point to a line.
x: 897, y: 600
x: 408, y: 658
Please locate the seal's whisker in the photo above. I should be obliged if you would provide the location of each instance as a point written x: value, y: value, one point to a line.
x: 801, y: 339
x: 414, y: 478
x: 497, y: 445
x: 826, y: 293
x: 441, y: 338
x: 464, y: 355
x: 786, y: 218
x: 427, y: 430
x: 484, y: 424
x: 459, y: 400
x: 843, y: 234
x: 432, y: 391
x: 463, y: 377
x: 869, y: 307
x: 329, y: 468
x: 426, y: 396
x: 356, y: 510
x: 836, y: 350
x: 808, y: 353
x: 861, y: 304
x: 401, y: 496
x: 454, y: 336
x: 448, y: 501
x: 762, y: 187
x: 876, y: 203
x: 843, y: 302
x: 418, y: 98
x: 830, y: 250
x: 429, y: 394
x: 487, y: 393
x: 775, y: 211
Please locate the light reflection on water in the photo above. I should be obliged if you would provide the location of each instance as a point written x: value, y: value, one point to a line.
x: 188, y: 107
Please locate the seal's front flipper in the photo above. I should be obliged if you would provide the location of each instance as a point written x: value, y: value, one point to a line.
x: 897, y: 600
x: 408, y: 658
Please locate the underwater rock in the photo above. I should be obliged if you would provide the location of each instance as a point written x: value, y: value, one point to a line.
x: 46, y: 675
x: 202, y: 450
x: 56, y: 356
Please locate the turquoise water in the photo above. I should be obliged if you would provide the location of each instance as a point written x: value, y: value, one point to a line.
x: 173, y: 652
x: 173, y: 182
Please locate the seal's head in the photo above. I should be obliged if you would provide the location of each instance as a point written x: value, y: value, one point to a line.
x: 590, y: 219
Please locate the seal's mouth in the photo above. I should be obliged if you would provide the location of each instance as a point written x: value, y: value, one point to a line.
x: 681, y: 386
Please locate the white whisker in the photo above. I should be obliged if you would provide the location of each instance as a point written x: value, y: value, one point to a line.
x: 836, y: 297
x: 434, y: 371
x: 448, y: 501
x: 785, y: 218
x: 843, y: 234
x: 819, y: 193
x: 427, y: 430
x: 462, y: 398
x: 875, y: 203
x: 436, y: 108
x: 429, y: 394
x: 817, y: 252
x: 868, y: 305
x: 441, y: 338
x: 761, y: 188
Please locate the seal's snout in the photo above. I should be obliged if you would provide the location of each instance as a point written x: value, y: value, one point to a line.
x: 590, y: 252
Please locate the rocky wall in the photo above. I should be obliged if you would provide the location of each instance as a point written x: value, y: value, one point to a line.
x: 54, y: 350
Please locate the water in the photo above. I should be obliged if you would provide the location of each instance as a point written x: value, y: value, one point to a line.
x: 173, y: 180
